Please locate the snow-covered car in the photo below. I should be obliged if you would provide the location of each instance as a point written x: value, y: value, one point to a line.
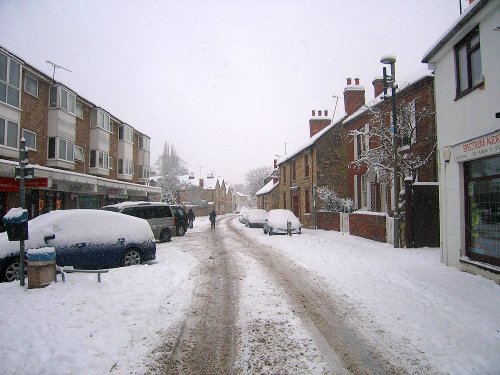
x: 256, y: 218
x: 277, y: 222
x: 243, y: 215
x: 85, y: 239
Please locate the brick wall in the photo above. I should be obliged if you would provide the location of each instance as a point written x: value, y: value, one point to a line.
x: 34, y: 117
x: 368, y: 226
x: 82, y: 137
x: 328, y: 220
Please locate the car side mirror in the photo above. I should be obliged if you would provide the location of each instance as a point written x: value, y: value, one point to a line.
x: 49, y: 237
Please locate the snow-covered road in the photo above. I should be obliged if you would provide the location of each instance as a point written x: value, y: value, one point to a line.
x: 406, y: 311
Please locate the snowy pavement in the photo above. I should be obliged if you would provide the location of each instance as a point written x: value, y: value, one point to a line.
x: 405, y: 298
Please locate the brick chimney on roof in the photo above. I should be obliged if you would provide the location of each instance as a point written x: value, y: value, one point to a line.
x: 354, y: 96
x: 378, y: 86
x: 317, y: 124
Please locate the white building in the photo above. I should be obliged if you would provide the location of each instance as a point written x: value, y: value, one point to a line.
x: 466, y: 60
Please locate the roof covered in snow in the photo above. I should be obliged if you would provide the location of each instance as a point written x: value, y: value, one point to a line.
x: 267, y: 188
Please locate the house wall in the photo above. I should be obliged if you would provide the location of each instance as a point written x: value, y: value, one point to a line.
x: 461, y: 120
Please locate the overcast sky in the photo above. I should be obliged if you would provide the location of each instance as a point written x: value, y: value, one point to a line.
x: 226, y: 82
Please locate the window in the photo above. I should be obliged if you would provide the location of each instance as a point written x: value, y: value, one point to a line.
x: 294, y: 170
x: 10, y: 77
x: 125, y: 166
x: 468, y: 63
x: 100, y: 119
x: 61, y: 149
x: 79, y: 155
x: 306, y: 165
x: 284, y: 174
x: 483, y: 209
x: 100, y: 159
x: 79, y: 110
x: 31, y: 85
x: 361, y: 142
x: 30, y: 139
x: 364, y: 191
x: 8, y: 133
x: 62, y: 98
x: 126, y: 133
x: 307, y: 202
x: 143, y: 171
x: 408, y: 130
x: 144, y: 143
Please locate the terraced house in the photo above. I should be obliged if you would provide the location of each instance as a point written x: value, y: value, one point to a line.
x: 82, y: 155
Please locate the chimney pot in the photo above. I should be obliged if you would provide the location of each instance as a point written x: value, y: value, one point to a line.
x: 319, y: 113
x: 326, y: 112
x: 313, y: 112
x: 356, y: 80
x: 275, y: 163
x: 349, y: 81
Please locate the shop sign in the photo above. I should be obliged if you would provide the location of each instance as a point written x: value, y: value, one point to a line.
x: 11, y: 185
x: 478, y: 148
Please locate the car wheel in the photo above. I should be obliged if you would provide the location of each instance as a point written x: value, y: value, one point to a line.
x: 11, y: 270
x: 132, y: 257
x: 270, y: 231
x: 264, y: 229
x: 165, y: 235
x: 181, y: 231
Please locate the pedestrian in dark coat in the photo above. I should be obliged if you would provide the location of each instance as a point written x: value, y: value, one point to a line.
x: 213, y: 215
x: 191, y: 217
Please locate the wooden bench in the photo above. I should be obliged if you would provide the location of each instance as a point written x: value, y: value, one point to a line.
x: 99, y: 272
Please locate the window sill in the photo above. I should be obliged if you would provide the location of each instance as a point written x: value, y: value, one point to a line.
x: 483, y: 266
x: 465, y: 92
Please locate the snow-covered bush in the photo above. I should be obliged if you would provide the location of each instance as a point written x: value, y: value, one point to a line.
x: 330, y: 201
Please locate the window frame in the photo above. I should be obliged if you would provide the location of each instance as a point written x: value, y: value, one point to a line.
x: 470, y: 50
x: 64, y: 100
x: 10, y: 85
x: 56, y: 149
x: 4, y: 138
x: 82, y: 152
x: 363, y: 191
x: 23, y: 131
x: 306, y: 166
x: 26, y: 79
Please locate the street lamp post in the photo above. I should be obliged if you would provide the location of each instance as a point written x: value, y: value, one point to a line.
x: 390, y: 81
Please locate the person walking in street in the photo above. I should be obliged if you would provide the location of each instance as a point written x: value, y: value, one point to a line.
x: 191, y: 218
x: 213, y: 215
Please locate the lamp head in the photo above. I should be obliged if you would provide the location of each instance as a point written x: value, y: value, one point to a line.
x: 388, y: 59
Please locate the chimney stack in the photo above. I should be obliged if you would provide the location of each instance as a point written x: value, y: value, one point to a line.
x: 275, y: 163
x: 317, y: 124
x: 202, y: 183
x: 378, y: 86
x: 354, y: 96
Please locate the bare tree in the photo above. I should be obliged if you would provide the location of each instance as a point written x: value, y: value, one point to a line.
x: 170, y: 166
x: 255, y: 179
x: 375, y: 142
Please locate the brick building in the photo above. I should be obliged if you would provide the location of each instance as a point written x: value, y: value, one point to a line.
x: 83, y: 157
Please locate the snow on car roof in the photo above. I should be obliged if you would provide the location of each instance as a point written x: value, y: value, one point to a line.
x: 80, y: 225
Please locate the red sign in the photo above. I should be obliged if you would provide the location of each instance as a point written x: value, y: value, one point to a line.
x: 10, y: 185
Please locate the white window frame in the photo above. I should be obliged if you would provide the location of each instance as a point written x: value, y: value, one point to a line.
x: 126, y: 133
x: 79, y: 151
x: 65, y: 99
x: 144, y: 143
x: 6, y: 123
x: 27, y: 79
x: 24, y: 131
x: 9, y: 84
x: 78, y: 111
x: 101, y: 119
x: 127, y: 167
x: 69, y: 149
x: 362, y: 139
x: 364, y: 191
x: 102, y: 160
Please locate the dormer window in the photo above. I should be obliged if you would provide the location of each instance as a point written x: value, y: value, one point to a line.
x: 62, y: 98
x: 126, y: 133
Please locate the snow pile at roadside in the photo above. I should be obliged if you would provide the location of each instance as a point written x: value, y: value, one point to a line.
x: 451, y: 317
x: 82, y: 326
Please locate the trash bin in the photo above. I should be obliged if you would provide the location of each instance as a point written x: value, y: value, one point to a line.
x: 41, y: 267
